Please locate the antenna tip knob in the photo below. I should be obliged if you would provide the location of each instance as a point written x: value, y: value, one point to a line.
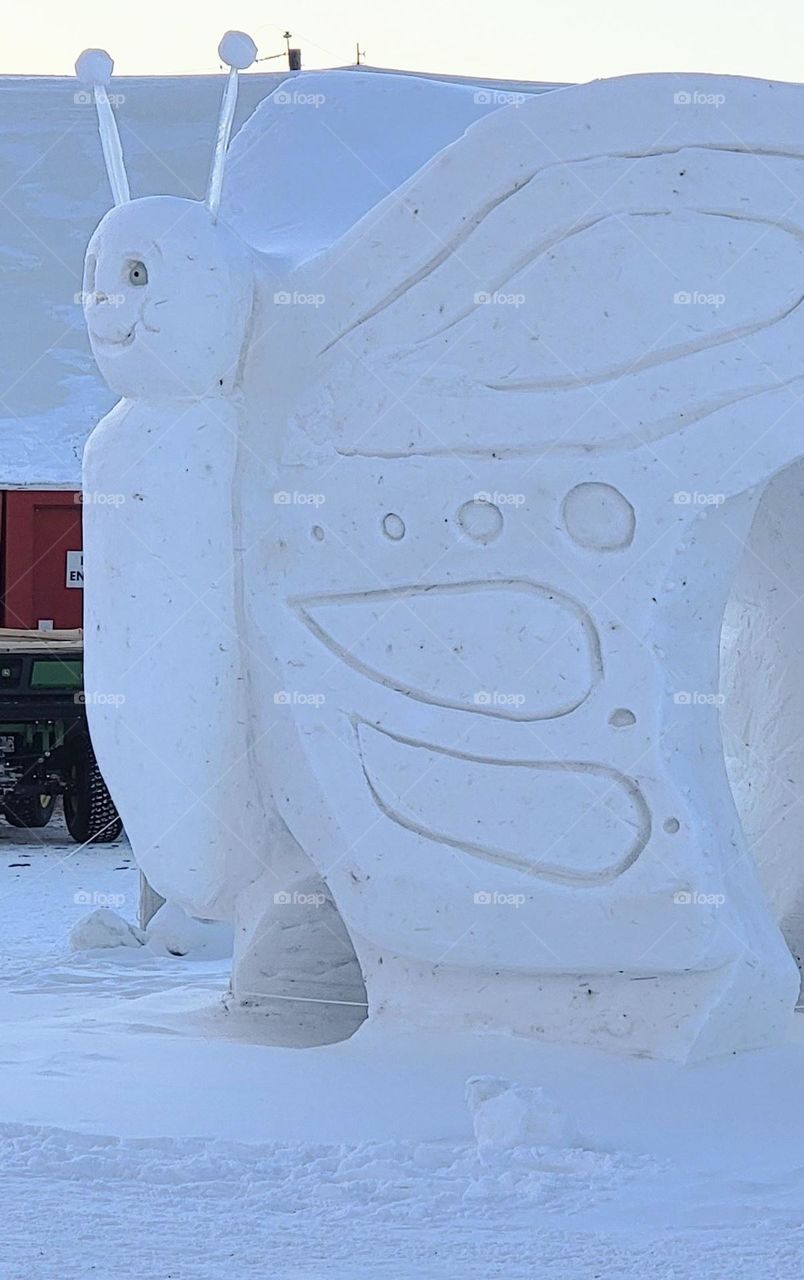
x: 94, y: 66
x: 237, y: 50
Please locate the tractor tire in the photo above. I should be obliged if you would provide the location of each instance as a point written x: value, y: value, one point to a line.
x: 29, y: 811
x: 89, y: 810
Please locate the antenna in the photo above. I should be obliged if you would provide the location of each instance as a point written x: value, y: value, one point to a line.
x: 238, y: 51
x: 293, y: 55
x: 94, y: 68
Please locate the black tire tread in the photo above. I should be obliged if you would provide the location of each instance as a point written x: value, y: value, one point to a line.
x: 101, y: 824
x: 26, y: 811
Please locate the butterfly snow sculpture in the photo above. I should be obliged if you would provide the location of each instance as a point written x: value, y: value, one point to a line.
x: 416, y: 594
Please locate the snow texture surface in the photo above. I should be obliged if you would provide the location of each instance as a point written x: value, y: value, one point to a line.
x: 186, y: 1149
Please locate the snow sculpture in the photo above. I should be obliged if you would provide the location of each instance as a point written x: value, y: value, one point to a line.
x: 164, y: 621
x: 163, y: 603
x: 419, y: 582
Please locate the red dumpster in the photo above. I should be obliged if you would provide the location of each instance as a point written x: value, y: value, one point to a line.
x: 42, y: 564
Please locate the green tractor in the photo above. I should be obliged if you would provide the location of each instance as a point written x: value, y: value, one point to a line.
x: 45, y: 747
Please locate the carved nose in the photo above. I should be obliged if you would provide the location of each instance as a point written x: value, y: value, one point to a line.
x: 95, y: 298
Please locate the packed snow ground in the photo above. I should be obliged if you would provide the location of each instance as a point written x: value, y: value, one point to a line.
x: 145, y: 1132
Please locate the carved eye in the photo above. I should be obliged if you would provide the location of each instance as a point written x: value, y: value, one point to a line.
x: 137, y: 273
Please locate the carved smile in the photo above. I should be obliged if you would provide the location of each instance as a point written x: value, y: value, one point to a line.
x: 127, y: 338
x: 125, y: 341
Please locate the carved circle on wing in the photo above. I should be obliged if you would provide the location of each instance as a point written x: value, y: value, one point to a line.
x: 393, y: 526
x: 481, y: 520
x: 622, y: 718
x: 598, y: 517
x: 513, y: 649
x: 573, y: 822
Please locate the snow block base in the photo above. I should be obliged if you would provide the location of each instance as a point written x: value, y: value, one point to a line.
x: 675, y: 1017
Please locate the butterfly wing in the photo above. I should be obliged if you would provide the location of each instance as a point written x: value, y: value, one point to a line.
x: 480, y: 589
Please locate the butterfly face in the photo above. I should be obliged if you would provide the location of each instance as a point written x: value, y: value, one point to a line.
x: 167, y: 299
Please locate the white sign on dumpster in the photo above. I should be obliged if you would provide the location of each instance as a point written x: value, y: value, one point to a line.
x: 75, y: 569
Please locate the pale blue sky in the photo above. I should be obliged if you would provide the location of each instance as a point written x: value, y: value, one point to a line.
x: 527, y: 39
